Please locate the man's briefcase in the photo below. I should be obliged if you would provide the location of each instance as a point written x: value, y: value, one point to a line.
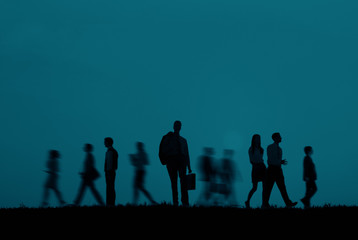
x: 190, y: 181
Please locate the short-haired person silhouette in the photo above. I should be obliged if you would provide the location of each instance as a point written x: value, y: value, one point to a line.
x: 274, y: 173
x: 110, y: 167
x: 173, y: 153
x: 309, y: 176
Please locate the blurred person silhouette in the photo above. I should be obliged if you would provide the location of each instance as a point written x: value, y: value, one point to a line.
x: 309, y: 176
x: 89, y: 175
x: 275, y: 173
x: 52, y: 180
x: 258, y: 173
x: 110, y: 167
x: 139, y: 160
x: 227, y: 175
x: 174, y: 153
x: 207, y: 171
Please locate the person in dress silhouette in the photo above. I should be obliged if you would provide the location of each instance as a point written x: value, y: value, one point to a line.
x: 258, y: 173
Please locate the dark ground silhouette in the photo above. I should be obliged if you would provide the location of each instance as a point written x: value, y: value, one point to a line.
x: 160, y: 220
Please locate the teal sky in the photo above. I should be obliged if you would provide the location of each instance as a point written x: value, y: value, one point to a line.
x: 73, y: 72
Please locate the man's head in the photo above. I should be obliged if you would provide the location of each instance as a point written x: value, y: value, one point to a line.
x: 308, y: 150
x: 108, y: 142
x: 276, y: 137
x: 88, y: 147
x: 177, y: 126
x: 54, y: 154
x: 140, y: 146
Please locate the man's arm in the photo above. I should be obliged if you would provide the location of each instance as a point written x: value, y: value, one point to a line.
x: 187, y: 156
x: 109, y: 162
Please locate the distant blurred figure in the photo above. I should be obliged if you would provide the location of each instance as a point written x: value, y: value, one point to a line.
x: 309, y: 176
x: 227, y: 175
x: 88, y: 175
x: 110, y: 167
x: 258, y: 173
x: 139, y: 160
x: 207, y: 170
x: 52, y: 179
x: 173, y: 152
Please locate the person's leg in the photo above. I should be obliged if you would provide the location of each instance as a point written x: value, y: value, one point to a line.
x: 80, y: 193
x: 173, y: 175
x: 311, y: 189
x: 45, y: 197
x: 267, y: 187
x: 96, y: 194
x: 141, y: 187
x: 280, y: 181
x: 59, y: 196
x: 135, y: 188
x: 252, y: 191
x: 183, y: 185
x: 110, y: 191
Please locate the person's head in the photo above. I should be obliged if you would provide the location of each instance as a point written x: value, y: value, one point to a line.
x: 108, y: 142
x: 88, y: 147
x: 208, y: 151
x: 140, y: 146
x: 54, y: 154
x: 228, y: 153
x: 256, y: 141
x: 308, y: 150
x: 276, y: 137
x: 177, y: 126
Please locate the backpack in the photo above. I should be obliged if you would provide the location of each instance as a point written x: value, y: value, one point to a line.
x: 164, y: 149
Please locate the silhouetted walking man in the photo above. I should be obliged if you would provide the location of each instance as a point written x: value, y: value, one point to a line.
x: 89, y: 174
x: 110, y: 167
x: 139, y: 161
x: 173, y: 152
x: 52, y: 180
x: 274, y: 172
x: 309, y: 176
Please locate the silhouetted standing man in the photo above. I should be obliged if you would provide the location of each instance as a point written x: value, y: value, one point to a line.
x: 110, y: 167
x: 274, y: 172
x: 89, y: 174
x: 174, y: 153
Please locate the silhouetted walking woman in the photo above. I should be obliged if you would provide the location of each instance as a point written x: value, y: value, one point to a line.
x: 258, y: 173
x: 52, y: 179
x: 89, y: 174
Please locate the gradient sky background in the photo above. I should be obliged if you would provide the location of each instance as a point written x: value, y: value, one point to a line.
x: 73, y: 72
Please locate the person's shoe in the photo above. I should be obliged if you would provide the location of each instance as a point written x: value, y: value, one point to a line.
x: 265, y: 206
x: 305, y: 203
x: 291, y: 204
